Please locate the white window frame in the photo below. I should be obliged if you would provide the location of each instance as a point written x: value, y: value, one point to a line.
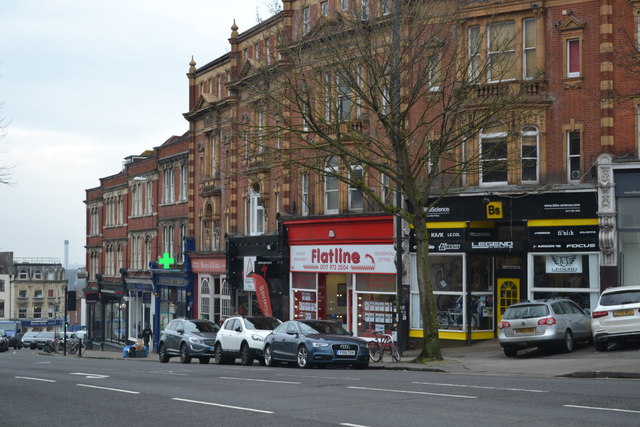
x: 489, y: 136
x: 344, y: 4
x: 530, y: 131
x: 526, y: 50
x: 569, y: 42
x: 327, y: 97
x: 304, y: 193
x: 353, y: 191
x: 574, y: 175
x: 331, y: 168
x: 256, y: 214
x: 385, y: 7
x: 169, y: 185
x: 183, y: 182
x: 498, y: 53
x: 306, y: 20
x: 324, y: 8
x: 364, y: 5
x: 434, y: 75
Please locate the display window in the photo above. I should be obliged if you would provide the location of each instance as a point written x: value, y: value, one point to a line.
x: 566, y: 275
x: 376, y: 304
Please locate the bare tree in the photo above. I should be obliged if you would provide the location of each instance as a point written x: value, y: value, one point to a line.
x: 393, y: 100
x: 5, y: 171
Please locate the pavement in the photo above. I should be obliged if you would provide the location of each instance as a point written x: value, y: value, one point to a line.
x: 486, y: 357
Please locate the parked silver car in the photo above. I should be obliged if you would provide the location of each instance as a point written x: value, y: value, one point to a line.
x: 543, y: 323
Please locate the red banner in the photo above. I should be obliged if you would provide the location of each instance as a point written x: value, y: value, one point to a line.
x: 262, y: 294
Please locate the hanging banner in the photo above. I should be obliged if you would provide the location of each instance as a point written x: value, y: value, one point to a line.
x: 565, y: 263
x: 261, y: 286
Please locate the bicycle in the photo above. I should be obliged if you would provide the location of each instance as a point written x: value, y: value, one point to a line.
x: 452, y: 319
x: 49, y: 347
x: 378, y: 346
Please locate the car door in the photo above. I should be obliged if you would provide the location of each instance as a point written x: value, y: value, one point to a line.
x: 580, y: 322
x: 172, y: 340
x: 291, y: 340
x: 277, y: 341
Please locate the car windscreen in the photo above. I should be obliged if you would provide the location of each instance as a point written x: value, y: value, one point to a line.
x: 526, y: 311
x: 263, y: 323
x: 201, y: 327
x: 622, y: 297
x: 322, y: 328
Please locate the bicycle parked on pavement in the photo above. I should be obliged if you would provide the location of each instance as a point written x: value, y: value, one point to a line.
x: 382, y: 343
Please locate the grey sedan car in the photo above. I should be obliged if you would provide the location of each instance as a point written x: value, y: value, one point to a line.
x: 188, y: 338
x: 543, y: 323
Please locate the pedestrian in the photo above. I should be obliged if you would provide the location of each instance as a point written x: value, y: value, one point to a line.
x: 146, y: 334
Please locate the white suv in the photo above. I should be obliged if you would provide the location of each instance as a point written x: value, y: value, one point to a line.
x: 243, y: 337
x: 616, y: 317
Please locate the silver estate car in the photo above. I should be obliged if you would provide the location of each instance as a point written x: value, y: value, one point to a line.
x: 543, y: 323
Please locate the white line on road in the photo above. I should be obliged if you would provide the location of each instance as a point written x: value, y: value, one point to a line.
x: 222, y: 406
x: 259, y: 381
x: 42, y: 363
x: 461, y: 396
x: 36, y: 379
x: 318, y: 377
x: 99, y: 376
x: 119, y: 390
x: 602, y: 409
x: 482, y: 387
x: 352, y: 425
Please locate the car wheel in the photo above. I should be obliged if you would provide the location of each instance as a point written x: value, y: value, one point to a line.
x: 204, y: 360
x: 510, y: 351
x: 303, y: 357
x: 567, y: 343
x: 245, y: 355
x: 268, y: 357
x: 184, y: 354
x: 601, y: 345
x: 218, y: 358
x: 162, y: 353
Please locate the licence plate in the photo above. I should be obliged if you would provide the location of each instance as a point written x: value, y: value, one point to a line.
x: 345, y: 352
x: 525, y: 330
x: 619, y: 313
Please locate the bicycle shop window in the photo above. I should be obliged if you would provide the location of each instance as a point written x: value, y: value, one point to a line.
x: 566, y: 275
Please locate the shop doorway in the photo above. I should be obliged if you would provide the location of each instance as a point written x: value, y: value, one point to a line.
x: 508, y: 293
x: 333, y: 301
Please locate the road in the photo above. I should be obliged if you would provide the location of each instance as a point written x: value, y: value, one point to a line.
x: 39, y: 389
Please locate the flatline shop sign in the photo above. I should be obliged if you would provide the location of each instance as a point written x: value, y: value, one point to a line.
x: 343, y: 258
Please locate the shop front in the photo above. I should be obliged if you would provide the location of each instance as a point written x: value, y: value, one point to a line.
x: 256, y: 276
x: 488, y: 252
x: 140, y: 305
x: 343, y: 269
x: 213, y: 296
x: 172, y: 294
x: 107, y: 312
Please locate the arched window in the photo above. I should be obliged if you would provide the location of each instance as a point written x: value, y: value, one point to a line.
x: 331, y: 186
x: 256, y: 211
x: 529, y: 153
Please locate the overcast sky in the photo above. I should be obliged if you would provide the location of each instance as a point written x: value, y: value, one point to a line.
x: 85, y: 83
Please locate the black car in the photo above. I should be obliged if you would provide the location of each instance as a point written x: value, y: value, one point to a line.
x: 4, y: 341
x: 15, y: 340
x: 315, y: 342
x: 188, y: 338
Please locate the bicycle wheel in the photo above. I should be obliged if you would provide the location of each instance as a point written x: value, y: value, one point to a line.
x: 375, y: 351
x: 395, y: 353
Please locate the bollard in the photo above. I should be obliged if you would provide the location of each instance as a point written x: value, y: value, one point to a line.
x: 79, y: 347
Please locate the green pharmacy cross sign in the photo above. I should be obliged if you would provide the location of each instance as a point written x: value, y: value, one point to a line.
x: 166, y: 261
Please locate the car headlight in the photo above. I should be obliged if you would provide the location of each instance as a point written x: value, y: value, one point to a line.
x: 257, y: 337
x: 195, y: 340
x: 320, y: 344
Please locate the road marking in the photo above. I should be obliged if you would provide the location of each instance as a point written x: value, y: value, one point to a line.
x: 42, y: 363
x: 318, y: 377
x: 602, y: 409
x: 36, y: 379
x: 119, y: 390
x: 260, y: 381
x: 461, y: 396
x: 94, y: 376
x: 222, y: 406
x: 352, y: 425
x: 482, y: 387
